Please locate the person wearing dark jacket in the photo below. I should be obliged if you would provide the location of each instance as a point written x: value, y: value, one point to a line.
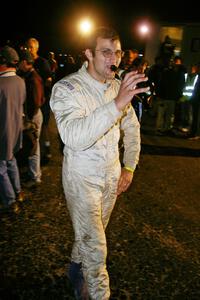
x: 34, y: 100
x: 169, y: 91
x: 42, y: 66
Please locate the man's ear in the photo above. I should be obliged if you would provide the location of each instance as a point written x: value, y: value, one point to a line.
x: 88, y: 54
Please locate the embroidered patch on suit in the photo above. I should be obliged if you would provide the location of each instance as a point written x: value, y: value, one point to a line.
x: 68, y: 84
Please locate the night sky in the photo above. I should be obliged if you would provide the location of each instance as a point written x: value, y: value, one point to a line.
x: 54, y: 22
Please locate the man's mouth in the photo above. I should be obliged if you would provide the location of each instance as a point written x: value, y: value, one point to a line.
x: 113, y: 68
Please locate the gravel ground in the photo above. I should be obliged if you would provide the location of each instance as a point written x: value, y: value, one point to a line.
x: 153, y: 235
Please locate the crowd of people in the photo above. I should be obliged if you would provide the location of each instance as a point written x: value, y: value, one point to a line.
x: 174, y: 95
x: 95, y: 106
x: 26, y: 80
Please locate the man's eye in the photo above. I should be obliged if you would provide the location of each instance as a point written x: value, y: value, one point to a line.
x: 107, y: 52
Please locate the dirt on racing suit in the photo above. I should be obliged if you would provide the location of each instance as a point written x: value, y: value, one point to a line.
x: 89, y: 125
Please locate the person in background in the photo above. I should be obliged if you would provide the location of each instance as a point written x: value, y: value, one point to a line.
x: 139, y: 101
x: 179, y: 68
x: 178, y: 61
x: 195, y: 102
x: 185, y: 101
x: 53, y: 65
x: 166, y: 51
x: 12, y: 96
x: 139, y: 64
x: 169, y: 92
x: 66, y: 66
x: 155, y: 75
x: 90, y: 108
x: 33, y: 102
x: 42, y: 66
x: 128, y: 58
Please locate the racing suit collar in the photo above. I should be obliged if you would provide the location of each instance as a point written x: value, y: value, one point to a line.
x: 96, y: 83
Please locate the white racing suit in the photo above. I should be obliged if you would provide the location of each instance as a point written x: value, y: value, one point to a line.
x: 89, y: 125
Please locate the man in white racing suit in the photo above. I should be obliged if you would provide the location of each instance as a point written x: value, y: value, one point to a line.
x: 91, y: 108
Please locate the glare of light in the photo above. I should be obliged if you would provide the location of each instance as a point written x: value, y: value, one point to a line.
x: 144, y: 29
x: 85, y: 26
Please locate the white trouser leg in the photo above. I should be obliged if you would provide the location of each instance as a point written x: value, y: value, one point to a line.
x: 90, y: 207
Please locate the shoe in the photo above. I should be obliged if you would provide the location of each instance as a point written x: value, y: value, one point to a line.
x: 20, y: 197
x: 194, y: 138
x: 159, y: 132
x: 76, y: 278
x: 47, y: 152
x: 184, y: 129
x: 32, y: 183
x: 13, y: 208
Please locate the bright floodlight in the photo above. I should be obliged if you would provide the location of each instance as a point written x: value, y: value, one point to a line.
x: 144, y: 29
x: 85, y: 26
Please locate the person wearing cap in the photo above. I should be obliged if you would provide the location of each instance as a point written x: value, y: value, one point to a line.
x: 34, y: 100
x: 12, y: 97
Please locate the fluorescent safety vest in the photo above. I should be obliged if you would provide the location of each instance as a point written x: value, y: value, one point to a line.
x: 189, y: 85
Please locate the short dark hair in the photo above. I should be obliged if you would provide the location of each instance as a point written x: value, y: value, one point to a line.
x: 101, y: 32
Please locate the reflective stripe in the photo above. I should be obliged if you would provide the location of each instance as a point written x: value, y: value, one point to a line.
x: 188, y: 89
x: 189, y: 94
